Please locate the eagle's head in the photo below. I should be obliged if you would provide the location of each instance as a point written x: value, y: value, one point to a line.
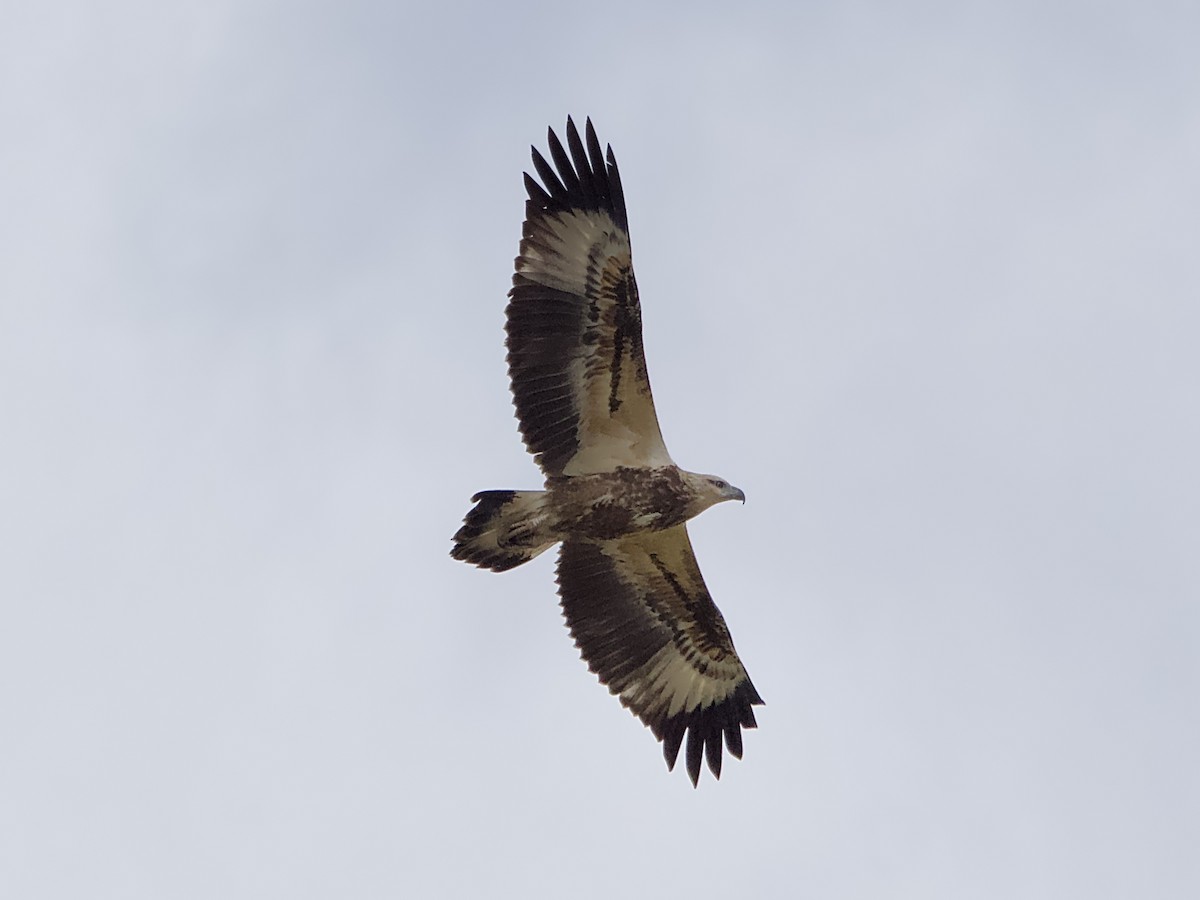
x: 708, y: 490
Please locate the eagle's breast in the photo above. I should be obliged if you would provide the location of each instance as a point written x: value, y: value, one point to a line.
x: 608, y: 505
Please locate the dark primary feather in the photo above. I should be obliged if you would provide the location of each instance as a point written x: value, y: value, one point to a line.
x: 556, y: 188
x: 579, y: 159
x: 562, y: 162
x: 616, y: 192
x: 537, y: 195
x: 622, y: 612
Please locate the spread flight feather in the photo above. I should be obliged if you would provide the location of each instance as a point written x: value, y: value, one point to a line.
x: 631, y: 591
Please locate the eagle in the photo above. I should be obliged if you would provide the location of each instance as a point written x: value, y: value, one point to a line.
x: 629, y: 585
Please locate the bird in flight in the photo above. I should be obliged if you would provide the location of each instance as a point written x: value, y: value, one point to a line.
x: 630, y: 588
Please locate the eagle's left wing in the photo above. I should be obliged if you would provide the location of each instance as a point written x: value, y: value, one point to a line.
x: 645, y: 623
x: 574, y: 320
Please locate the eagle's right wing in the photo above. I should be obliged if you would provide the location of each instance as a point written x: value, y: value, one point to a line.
x: 574, y: 321
x: 645, y: 623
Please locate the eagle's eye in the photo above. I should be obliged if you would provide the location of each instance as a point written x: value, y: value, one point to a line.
x: 719, y: 484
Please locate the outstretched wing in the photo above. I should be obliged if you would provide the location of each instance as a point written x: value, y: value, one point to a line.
x: 574, y: 322
x: 645, y: 623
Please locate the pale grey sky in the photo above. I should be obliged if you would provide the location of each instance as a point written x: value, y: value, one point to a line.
x: 923, y: 280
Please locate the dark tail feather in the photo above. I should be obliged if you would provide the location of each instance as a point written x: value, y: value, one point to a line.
x: 500, y: 532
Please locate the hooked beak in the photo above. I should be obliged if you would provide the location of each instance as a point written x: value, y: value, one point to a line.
x: 737, y: 494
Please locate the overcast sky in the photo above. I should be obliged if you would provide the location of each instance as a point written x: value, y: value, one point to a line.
x: 923, y: 279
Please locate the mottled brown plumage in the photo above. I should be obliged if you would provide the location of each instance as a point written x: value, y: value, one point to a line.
x: 631, y: 591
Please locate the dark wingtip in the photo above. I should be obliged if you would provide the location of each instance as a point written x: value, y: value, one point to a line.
x: 579, y: 177
x: 695, y: 753
x: 709, y: 732
x: 535, y: 191
x: 712, y: 752
x: 672, y: 738
x: 733, y: 739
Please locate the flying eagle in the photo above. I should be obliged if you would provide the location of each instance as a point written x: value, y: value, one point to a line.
x: 631, y: 591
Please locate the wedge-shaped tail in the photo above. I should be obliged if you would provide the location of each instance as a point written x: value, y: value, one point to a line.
x: 505, y: 529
